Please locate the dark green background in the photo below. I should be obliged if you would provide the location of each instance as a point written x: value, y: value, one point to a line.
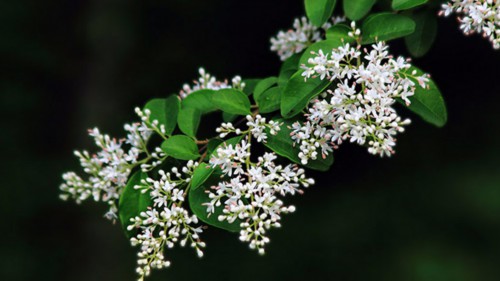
x: 431, y: 212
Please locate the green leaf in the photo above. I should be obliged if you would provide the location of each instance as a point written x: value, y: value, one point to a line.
x: 172, y: 107
x: 212, y: 145
x: 428, y: 103
x: 269, y: 101
x: 200, y: 175
x: 288, y: 68
x: 198, y: 197
x: 339, y: 33
x: 189, y: 120
x: 283, y: 145
x: 181, y: 147
x: 228, y: 117
x: 385, y: 27
x: 420, y: 41
x: 298, y: 93
x: 326, y: 46
x: 407, y: 4
x: 263, y: 85
x: 319, y: 11
x: 132, y: 201
x: 357, y: 9
x: 232, y: 101
x: 250, y: 85
x: 201, y: 100
x: 157, y: 107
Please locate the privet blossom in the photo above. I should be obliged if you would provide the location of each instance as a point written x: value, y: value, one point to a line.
x: 481, y: 16
x: 250, y: 191
x: 360, y: 108
x: 109, y: 168
x: 166, y: 222
x: 302, y: 35
x: 207, y: 81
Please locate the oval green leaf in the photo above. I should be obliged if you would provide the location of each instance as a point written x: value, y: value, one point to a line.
x: 200, y: 175
x: 201, y: 100
x: 428, y: 103
x: 132, y: 202
x: 269, y: 101
x: 319, y: 11
x: 189, y: 121
x: 181, y: 147
x: 385, y: 27
x: 298, y: 93
x: 420, y: 42
x: 339, y: 33
x: 288, y: 68
x: 172, y: 107
x: 158, y: 109
x: 407, y: 4
x: 357, y: 9
x: 263, y: 85
x: 232, y: 101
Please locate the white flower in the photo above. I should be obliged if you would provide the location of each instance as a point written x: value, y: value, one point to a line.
x: 207, y: 81
x: 108, y: 169
x: 167, y: 222
x: 481, y: 16
x: 302, y: 35
x: 252, y: 196
x: 360, y: 108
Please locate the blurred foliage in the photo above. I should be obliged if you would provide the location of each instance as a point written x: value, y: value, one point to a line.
x: 432, y: 212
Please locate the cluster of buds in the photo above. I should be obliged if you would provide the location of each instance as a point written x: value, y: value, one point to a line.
x: 256, y: 126
x: 109, y: 168
x: 302, y: 35
x: 360, y: 108
x: 207, y: 81
x: 481, y: 16
x: 167, y: 222
x: 250, y: 191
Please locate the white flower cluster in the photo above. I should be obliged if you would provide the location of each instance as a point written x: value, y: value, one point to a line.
x: 109, y: 168
x: 360, y: 108
x: 249, y: 191
x: 481, y: 16
x: 256, y: 126
x: 302, y: 35
x: 167, y: 222
x: 207, y: 81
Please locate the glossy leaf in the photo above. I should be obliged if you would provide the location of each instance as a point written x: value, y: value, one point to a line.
x: 228, y: 117
x: 428, y: 103
x: 319, y: 11
x: 157, y: 107
x: 232, y: 101
x: 288, y: 68
x: 132, y: 201
x: 200, y: 175
x: 419, y: 42
x: 250, y: 85
x: 172, y: 107
x: 298, y: 93
x: 201, y: 100
x: 263, y: 85
x: 189, y: 120
x: 407, y: 4
x: 357, y: 9
x: 181, y: 147
x: 283, y: 145
x: 270, y: 100
x: 385, y: 27
x: 339, y: 33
